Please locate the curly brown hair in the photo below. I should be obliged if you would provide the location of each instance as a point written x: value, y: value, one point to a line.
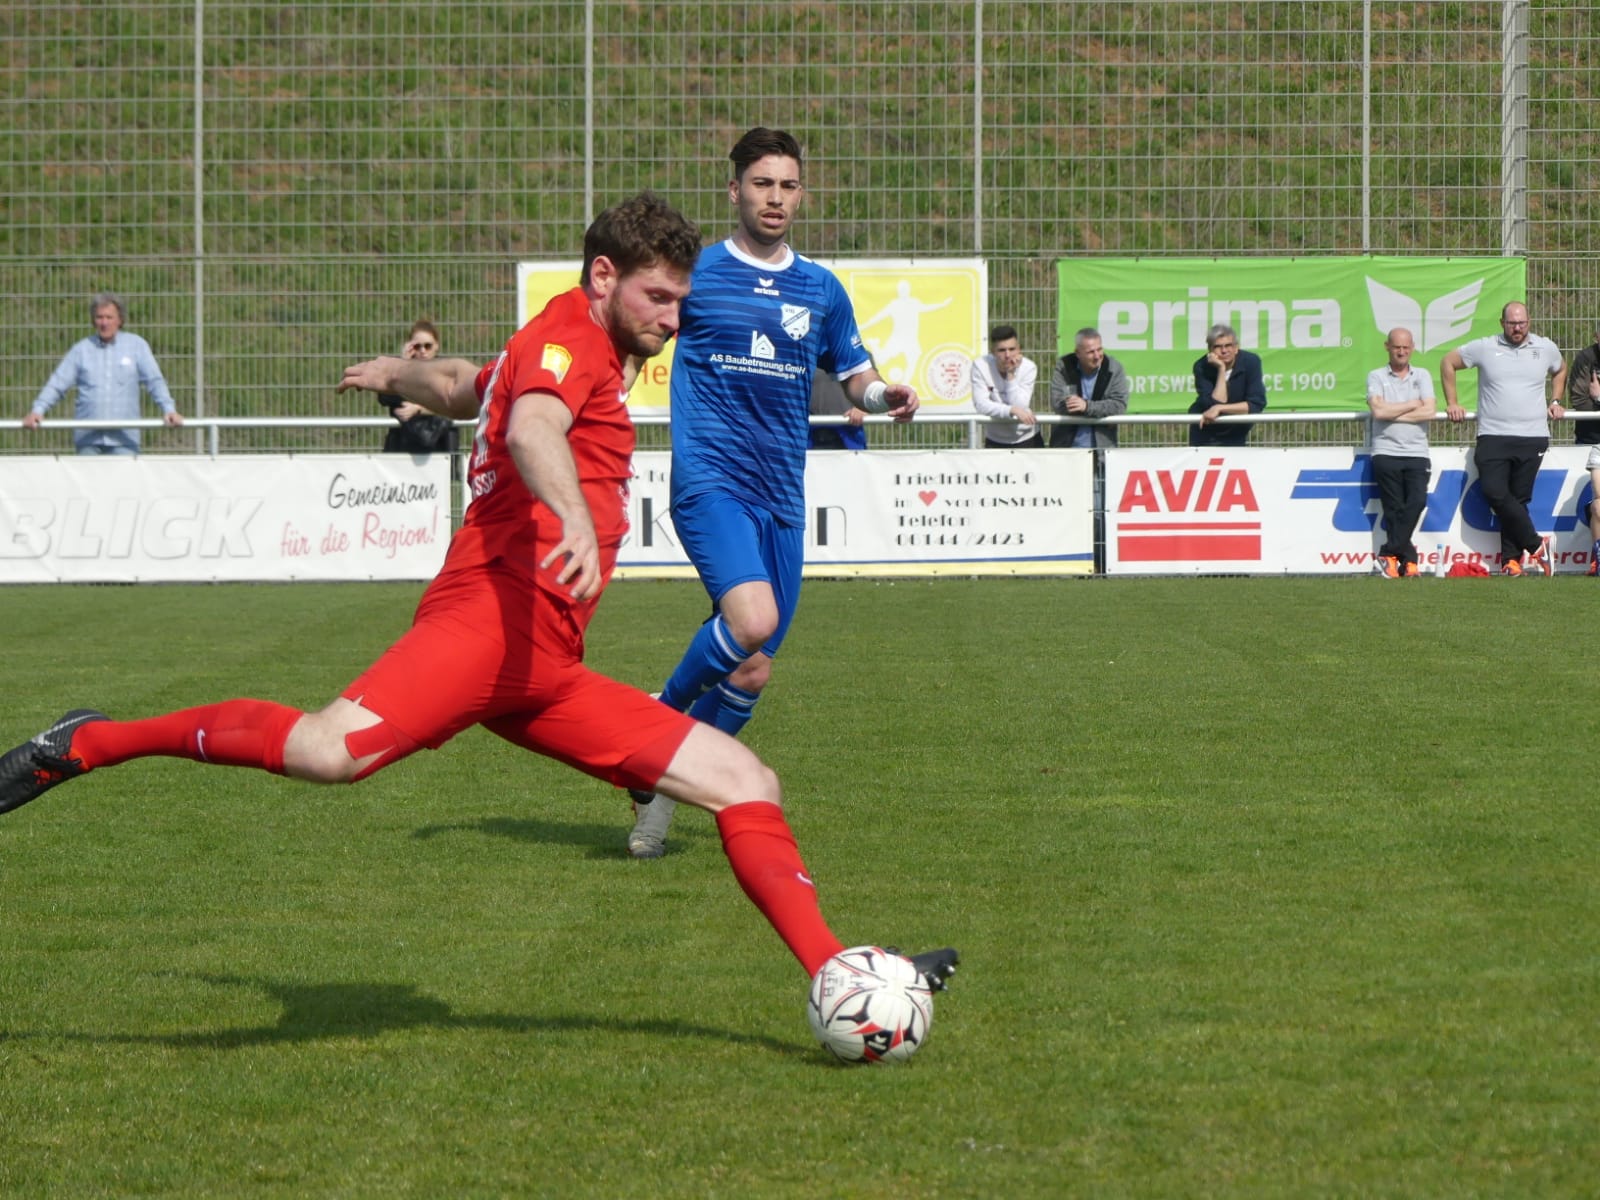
x: 640, y: 233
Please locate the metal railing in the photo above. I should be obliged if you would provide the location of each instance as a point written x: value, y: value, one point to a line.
x: 206, y: 435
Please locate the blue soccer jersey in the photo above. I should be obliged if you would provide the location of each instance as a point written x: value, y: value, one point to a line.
x: 752, y: 335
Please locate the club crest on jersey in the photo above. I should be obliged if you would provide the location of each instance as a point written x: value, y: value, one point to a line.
x: 556, y: 360
x: 796, y: 320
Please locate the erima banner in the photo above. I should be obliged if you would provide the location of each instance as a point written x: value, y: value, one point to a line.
x: 1318, y: 323
x: 907, y: 512
x: 269, y: 517
x: 1258, y: 511
x: 921, y: 320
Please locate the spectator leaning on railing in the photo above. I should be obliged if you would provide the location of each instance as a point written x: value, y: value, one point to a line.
x: 1228, y: 382
x: 1002, y: 387
x: 1400, y: 398
x: 1513, y: 368
x: 108, y: 368
x: 1087, y: 383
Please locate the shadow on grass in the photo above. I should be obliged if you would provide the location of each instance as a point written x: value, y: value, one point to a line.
x: 602, y: 841
x: 322, y: 1011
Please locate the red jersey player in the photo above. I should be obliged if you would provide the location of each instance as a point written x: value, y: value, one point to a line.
x: 498, y: 635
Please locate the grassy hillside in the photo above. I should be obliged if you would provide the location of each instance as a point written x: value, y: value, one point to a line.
x: 361, y: 163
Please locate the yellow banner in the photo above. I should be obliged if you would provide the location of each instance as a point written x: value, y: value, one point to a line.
x: 921, y: 320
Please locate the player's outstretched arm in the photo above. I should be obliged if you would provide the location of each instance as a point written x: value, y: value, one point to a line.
x: 536, y: 436
x: 440, y: 385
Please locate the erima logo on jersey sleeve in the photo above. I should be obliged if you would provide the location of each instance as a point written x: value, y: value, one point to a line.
x: 556, y: 360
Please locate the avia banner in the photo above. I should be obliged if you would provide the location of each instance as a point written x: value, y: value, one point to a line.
x: 1259, y: 511
x: 905, y: 512
x: 1318, y: 323
x: 175, y: 519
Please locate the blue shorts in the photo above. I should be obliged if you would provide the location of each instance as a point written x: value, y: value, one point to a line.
x: 731, y: 542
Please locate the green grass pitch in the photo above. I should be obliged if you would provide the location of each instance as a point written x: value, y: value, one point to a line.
x: 1266, y: 888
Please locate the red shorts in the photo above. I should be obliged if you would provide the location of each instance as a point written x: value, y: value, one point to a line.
x: 490, y: 647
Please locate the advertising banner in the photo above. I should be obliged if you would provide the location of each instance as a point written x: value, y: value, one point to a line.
x: 908, y: 512
x: 268, y: 517
x: 921, y: 320
x: 1317, y: 323
x: 1258, y: 511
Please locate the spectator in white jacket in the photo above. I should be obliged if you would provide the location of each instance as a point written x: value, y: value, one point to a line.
x: 1002, y: 389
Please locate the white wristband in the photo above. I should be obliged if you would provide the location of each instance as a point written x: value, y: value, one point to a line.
x: 872, y: 399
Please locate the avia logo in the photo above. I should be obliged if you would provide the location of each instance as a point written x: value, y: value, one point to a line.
x: 1209, y: 515
x: 1446, y: 319
x: 761, y: 345
x: 1313, y: 324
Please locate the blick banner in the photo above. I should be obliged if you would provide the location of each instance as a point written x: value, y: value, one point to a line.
x: 1317, y: 323
x: 177, y: 519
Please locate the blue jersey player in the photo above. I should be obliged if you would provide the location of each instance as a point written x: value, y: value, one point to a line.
x: 759, y: 320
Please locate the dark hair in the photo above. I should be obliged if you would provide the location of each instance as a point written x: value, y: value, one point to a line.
x: 640, y: 233
x: 1001, y: 333
x: 423, y: 325
x: 759, y: 143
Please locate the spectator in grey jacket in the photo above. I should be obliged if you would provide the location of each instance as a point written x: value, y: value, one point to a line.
x: 1087, y: 383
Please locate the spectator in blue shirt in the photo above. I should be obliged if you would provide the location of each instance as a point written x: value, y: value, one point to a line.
x: 108, y: 370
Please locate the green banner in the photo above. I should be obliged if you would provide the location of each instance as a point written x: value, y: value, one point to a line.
x: 1317, y: 323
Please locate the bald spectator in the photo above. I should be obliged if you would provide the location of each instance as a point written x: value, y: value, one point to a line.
x: 1400, y: 398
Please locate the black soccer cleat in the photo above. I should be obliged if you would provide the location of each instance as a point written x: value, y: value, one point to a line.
x: 37, y: 765
x: 935, y: 966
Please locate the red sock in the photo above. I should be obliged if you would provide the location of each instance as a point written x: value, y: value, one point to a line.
x: 235, y: 733
x: 766, y: 862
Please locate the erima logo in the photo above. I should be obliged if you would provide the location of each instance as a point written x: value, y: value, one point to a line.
x: 1312, y: 324
x: 761, y: 345
x: 763, y: 282
x: 1444, y: 320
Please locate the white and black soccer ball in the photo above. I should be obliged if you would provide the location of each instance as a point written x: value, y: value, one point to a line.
x: 869, y: 1006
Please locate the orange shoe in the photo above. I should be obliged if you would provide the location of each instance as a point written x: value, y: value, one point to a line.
x: 1386, y: 565
x: 1411, y: 570
x: 1542, y: 559
x: 1513, y: 569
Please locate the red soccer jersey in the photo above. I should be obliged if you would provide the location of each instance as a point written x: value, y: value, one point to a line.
x: 564, y: 352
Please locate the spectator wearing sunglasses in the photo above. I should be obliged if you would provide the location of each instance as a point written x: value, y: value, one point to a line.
x: 418, y: 431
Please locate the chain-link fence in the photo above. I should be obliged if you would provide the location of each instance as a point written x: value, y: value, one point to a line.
x: 277, y: 189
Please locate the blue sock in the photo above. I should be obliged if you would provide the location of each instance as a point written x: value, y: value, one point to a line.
x: 1594, y: 552
x: 712, y: 656
x: 726, y: 707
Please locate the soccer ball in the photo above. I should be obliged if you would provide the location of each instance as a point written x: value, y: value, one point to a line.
x: 868, y: 1005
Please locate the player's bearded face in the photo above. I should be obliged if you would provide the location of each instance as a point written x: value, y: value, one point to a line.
x: 641, y: 309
